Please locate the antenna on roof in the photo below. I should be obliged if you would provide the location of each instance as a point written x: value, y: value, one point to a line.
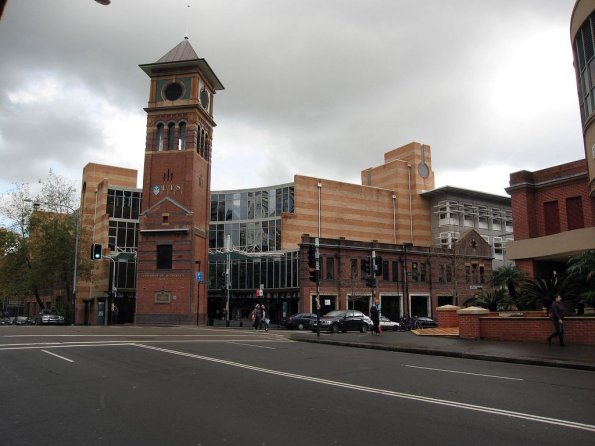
x: 187, y: 21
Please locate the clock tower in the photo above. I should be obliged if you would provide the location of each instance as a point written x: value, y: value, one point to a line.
x: 173, y: 243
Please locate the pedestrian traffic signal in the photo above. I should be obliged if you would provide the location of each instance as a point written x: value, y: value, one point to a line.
x: 312, y: 256
x: 96, y: 251
x: 366, y: 267
x: 314, y: 276
x: 378, y: 266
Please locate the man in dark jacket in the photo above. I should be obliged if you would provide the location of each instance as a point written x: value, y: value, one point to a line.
x: 557, y: 318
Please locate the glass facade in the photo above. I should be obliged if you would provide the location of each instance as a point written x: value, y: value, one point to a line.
x: 252, y: 220
x: 584, y: 51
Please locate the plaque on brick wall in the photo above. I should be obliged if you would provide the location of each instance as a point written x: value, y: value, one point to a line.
x: 162, y: 297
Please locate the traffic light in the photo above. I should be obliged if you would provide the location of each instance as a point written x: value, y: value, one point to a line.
x: 371, y: 281
x: 366, y: 266
x: 96, y: 251
x: 314, y: 275
x: 378, y: 265
x: 312, y: 256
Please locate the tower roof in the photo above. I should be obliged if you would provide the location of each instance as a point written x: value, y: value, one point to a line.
x: 182, y: 57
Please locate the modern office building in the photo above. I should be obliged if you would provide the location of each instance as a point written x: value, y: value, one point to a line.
x: 582, y: 32
x: 455, y: 211
x: 554, y: 208
x: 109, y: 212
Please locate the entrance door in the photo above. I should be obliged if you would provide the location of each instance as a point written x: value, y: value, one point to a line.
x: 419, y: 305
x: 391, y: 307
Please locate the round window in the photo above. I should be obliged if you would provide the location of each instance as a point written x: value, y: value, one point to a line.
x: 173, y: 91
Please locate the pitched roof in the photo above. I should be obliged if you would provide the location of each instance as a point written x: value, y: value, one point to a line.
x: 182, y: 51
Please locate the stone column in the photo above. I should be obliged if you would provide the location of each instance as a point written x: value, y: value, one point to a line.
x: 469, y: 323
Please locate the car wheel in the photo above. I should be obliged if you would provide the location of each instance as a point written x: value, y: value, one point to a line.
x: 335, y: 328
x: 364, y: 328
x: 395, y: 328
x: 300, y: 326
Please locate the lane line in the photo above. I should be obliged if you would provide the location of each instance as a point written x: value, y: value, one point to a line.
x: 57, y: 356
x: 249, y: 345
x: 465, y: 406
x: 463, y: 373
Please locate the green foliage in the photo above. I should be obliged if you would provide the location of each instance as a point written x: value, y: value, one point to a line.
x: 490, y: 300
x: 580, y: 275
x: 537, y: 292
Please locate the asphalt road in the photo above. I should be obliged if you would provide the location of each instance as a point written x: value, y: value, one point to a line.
x: 190, y: 386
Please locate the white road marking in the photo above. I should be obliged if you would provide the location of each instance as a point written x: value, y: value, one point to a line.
x: 473, y: 407
x: 57, y: 356
x: 249, y: 345
x: 463, y: 373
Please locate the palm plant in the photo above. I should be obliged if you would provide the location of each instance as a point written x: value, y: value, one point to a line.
x: 581, y: 275
x: 491, y: 300
x: 509, y: 277
x: 539, y: 291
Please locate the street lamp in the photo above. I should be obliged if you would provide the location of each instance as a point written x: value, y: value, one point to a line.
x: 37, y: 204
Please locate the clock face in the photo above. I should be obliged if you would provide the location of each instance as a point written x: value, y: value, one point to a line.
x: 173, y: 91
x: 204, y: 98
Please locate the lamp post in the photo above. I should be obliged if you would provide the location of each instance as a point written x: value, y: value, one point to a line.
x: 405, y: 274
x: 37, y: 204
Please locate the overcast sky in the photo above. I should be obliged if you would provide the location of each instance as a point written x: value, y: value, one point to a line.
x: 313, y: 87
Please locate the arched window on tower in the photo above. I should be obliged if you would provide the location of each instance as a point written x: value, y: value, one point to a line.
x: 159, y: 138
x: 182, y: 136
x: 201, y: 141
x: 170, y: 135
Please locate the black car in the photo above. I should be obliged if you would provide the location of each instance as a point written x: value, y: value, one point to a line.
x: 425, y: 322
x: 343, y: 320
x: 298, y: 321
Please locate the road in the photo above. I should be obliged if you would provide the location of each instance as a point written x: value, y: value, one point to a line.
x: 191, y: 386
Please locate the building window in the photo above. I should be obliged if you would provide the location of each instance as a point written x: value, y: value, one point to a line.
x: 395, y: 270
x: 159, y: 138
x: 330, y: 268
x: 469, y: 212
x: 385, y: 270
x: 483, y: 217
x: 482, y: 278
x: 171, y: 130
x: 164, y: 256
x: 422, y: 272
x: 468, y: 273
x: 498, y: 248
x: 551, y: 217
x: 585, y: 67
x: 354, y: 268
x: 448, y: 238
x: 182, y: 136
x: 574, y: 213
x: 447, y: 213
x: 441, y: 277
x: 448, y: 273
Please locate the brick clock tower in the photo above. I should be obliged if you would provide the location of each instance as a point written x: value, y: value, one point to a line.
x: 175, y: 212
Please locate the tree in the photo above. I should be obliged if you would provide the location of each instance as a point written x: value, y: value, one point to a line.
x: 511, y: 277
x: 491, y: 300
x: 537, y: 292
x: 580, y: 275
x: 42, y: 232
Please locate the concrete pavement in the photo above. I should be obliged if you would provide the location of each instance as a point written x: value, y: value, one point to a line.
x: 580, y: 357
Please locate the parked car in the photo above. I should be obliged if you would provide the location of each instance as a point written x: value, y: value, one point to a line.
x: 21, y: 320
x: 343, y: 320
x: 386, y: 324
x: 425, y: 322
x: 47, y: 317
x: 299, y: 321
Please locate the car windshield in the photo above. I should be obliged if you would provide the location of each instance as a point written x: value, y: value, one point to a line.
x: 336, y: 313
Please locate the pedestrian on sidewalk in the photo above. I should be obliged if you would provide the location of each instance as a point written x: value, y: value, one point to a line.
x: 375, y: 316
x: 557, y: 318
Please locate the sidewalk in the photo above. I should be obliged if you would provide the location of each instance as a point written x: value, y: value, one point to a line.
x: 580, y: 357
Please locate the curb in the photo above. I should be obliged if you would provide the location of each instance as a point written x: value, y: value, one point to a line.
x: 452, y: 353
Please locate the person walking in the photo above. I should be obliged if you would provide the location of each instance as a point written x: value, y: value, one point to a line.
x: 256, y: 317
x: 557, y: 318
x: 265, y: 318
x: 375, y: 316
